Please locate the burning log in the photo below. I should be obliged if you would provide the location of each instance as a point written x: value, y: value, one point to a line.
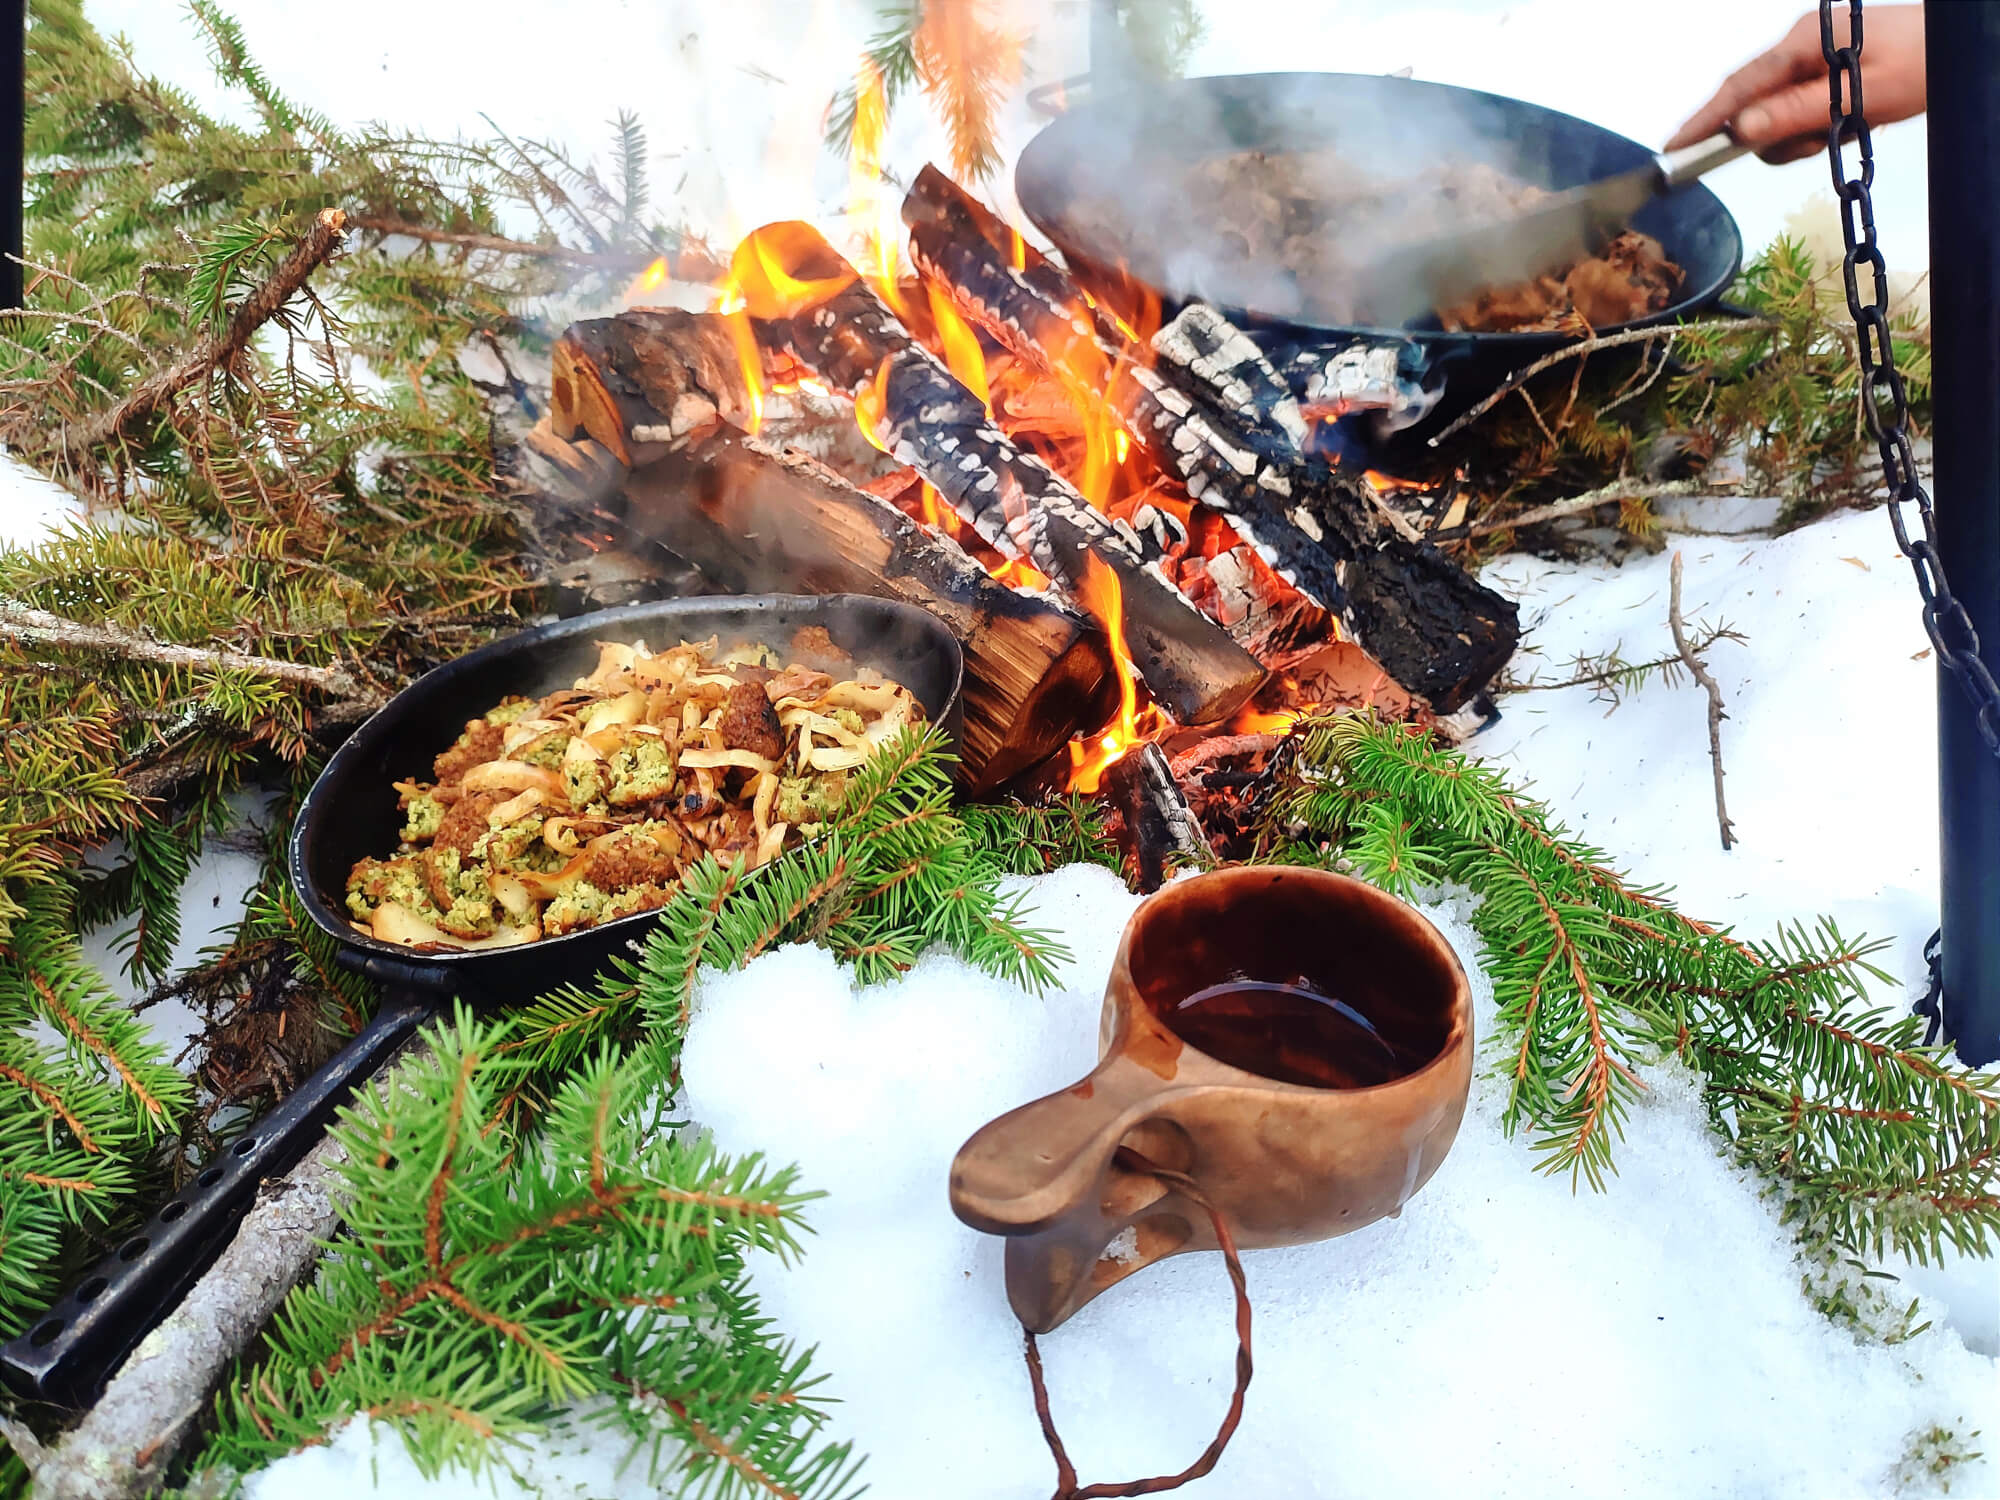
x: 1159, y: 828
x: 1436, y: 629
x: 647, y: 382
x: 755, y: 519
x: 923, y: 415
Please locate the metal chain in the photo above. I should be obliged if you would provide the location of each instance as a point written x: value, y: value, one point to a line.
x: 1882, y: 396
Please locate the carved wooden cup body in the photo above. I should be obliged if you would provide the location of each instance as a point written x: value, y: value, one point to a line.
x: 1284, y: 1161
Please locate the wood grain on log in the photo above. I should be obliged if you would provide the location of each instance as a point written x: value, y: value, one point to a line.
x: 1159, y: 830
x: 649, y: 380
x: 754, y: 518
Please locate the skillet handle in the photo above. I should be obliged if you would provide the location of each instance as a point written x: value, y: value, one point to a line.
x: 68, y: 1353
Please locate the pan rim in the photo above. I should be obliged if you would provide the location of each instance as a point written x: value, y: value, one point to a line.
x: 1048, y: 142
x: 442, y: 970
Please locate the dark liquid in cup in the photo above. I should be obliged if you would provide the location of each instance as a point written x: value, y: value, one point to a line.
x: 1290, y: 1032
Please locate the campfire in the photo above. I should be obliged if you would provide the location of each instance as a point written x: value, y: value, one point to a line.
x: 1155, y: 538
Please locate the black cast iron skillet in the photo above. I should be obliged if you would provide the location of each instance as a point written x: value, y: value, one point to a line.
x: 350, y: 814
x: 1125, y: 154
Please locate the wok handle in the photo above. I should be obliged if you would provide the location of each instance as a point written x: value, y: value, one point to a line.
x: 1681, y: 167
x: 68, y: 1353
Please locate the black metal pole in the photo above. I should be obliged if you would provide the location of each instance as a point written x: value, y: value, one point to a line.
x: 13, y: 155
x: 1962, y: 50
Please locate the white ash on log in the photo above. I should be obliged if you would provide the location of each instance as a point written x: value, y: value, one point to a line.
x: 1039, y: 315
x: 1437, y: 630
x: 926, y: 418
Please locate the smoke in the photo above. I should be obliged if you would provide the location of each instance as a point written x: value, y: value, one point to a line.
x: 1163, y: 180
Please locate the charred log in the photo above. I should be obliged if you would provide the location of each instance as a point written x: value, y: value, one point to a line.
x: 647, y: 382
x: 926, y: 418
x: 1437, y: 630
x: 1159, y: 831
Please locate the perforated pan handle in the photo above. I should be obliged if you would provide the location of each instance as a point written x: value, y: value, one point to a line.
x: 69, y: 1352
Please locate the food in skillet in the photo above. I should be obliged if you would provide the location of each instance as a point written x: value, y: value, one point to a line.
x: 553, y: 815
x: 1321, y: 216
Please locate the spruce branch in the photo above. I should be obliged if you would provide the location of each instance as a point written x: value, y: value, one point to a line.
x: 1874, y: 1142
x: 482, y: 1282
x: 70, y: 445
x: 1583, y: 348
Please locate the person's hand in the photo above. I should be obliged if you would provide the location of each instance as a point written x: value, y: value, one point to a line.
x: 1776, y: 104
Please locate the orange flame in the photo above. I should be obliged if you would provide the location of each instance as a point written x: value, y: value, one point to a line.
x: 1255, y: 721
x: 1017, y: 249
x: 749, y: 359
x: 871, y: 408
x: 1091, y: 756
x: 647, y: 280
x: 763, y: 271
x: 961, y: 347
x: 870, y: 203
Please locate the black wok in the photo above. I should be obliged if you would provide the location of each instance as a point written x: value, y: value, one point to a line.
x: 1116, y: 161
x: 67, y: 1353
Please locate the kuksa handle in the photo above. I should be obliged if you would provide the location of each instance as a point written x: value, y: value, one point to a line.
x: 69, y: 1352
x: 1035, y: 1165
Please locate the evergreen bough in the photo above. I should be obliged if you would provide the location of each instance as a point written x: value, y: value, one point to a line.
x: 527, y: 1230
x: 1875, y: 1142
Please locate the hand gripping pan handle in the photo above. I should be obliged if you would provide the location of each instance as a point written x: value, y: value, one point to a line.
x: 69, y: 1352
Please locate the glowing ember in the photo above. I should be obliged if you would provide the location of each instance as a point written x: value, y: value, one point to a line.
x: 871, y: 203
x: 648, y: 280
x: 1383, y: 484
x: 1254, y: 721
x: 961, y: 348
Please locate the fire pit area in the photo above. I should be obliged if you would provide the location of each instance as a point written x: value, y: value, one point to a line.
x: 1132, y: 524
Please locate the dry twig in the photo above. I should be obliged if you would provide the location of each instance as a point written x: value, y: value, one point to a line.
x: 1618, y: 489
x: 1590, y: 346
x: 71, y: 444
x: 690, y: 264
x: 1692, y: 659
x: 37, y: 627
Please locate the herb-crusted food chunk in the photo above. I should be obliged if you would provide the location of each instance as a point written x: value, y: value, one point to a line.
x: 750, y: 722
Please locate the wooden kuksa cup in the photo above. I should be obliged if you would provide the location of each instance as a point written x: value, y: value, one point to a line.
x: 1282, y: 1161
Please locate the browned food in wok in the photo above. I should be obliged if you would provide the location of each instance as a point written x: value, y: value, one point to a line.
x: 588, y: 805
x: 1319, y: 217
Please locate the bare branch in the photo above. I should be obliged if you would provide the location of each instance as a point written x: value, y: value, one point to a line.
x: 692, y: 264
x: 1590, y: 346
x: 1618, y: 489
x: 37, y: 627
x: 1700, y: 672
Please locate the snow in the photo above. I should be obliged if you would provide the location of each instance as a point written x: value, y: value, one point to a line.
x: 1650, y: 1341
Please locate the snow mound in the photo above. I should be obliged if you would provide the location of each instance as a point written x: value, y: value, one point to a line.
x: 1505, y: 1336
